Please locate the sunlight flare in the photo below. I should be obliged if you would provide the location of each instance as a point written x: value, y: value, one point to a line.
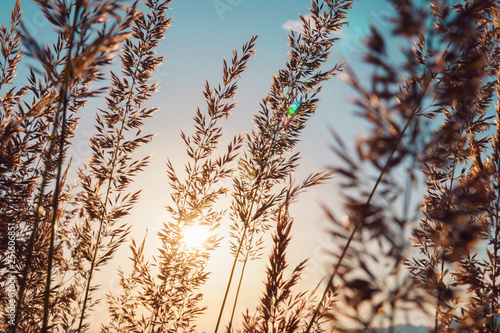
x: 195, y: 236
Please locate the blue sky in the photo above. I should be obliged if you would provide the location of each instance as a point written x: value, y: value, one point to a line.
x: 202, y: 33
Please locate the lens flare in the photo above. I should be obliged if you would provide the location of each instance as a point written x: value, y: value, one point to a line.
x: 295, y: 106
x: 285, y: 121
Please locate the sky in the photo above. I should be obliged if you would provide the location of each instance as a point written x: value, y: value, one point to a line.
x: 202, y: 33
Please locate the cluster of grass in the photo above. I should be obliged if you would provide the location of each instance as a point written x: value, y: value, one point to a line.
x: 434, y: 119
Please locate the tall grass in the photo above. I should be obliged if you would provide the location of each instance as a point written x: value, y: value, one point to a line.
x: 46, y: 125
x: 171, y: 299
x: 266, y: 165
x: 439, y: 84
x: 419, y: 232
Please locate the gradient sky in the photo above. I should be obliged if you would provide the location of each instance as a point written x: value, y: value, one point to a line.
x: 202, y: 33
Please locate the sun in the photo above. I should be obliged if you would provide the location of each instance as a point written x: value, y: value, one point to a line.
x: 195, y: 236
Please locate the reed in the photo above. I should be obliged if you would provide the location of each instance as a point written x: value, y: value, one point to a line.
x: 439, y: 84
x: 111, y: 168
x: 268, y: 162
x: 280, y: 309
x: 171, y: 299
x: 419, y: 231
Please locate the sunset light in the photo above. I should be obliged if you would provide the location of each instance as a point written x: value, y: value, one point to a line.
x: 195, y: 236
x: 320, y: 166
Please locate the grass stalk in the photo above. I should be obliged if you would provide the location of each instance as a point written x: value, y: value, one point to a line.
x: 272, y: 140
x: 36, y: 222
x: 31, y: 242
x: 238, y: 291
x: 246, y: 224
x: 134, y: 62
x: 47, y: 166
x: 231, y: 274
x: 357, y: 226
x: 101, y: 223
x: 443, y: 253
x: 108, y: 191
x: 55, y: 205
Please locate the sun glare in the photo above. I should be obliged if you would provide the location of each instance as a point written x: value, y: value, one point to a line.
x: 194, y: 236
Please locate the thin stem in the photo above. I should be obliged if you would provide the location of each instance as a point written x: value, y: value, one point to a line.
x: 213, y: 121
x: 108, y: 190
x: 38, y: 207
x: 355, y: 230
x: 246, y: 223
x: 438, y: 305
x: 238, y: 290
x: 265, y: 160
x: 153, y: 319
x: 405, y: 209
x: 232, y: 272
x: 55, y: 205
x: 31, y: 242
x: 241, y: 276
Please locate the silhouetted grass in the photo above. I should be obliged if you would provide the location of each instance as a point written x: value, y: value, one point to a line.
x: 432, y: 149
